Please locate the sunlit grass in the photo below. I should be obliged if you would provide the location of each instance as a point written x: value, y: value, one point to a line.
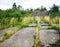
x: 27, y: 20
x: 13, y: 21
x: 7, y: 35
x: 55, y: 20
x: 37, y: 42
x: 47, y: 19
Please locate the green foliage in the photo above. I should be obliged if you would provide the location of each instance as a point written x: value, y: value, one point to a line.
x: 6, y: 17
x: 54, y: 11
x: 13, y: 16
x: 13, y: 13
x: 53, y: 26
x: 41, y: 9
x: 38, y: 9
x: 14, y: 6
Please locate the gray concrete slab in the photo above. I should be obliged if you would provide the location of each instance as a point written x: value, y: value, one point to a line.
x: 23, y: 38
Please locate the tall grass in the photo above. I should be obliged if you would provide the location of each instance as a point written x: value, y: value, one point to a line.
x: 37, y: 42
x: 54, y: 22
x: 7, y: 35
x: 13, y: 21
x: 25, y: 22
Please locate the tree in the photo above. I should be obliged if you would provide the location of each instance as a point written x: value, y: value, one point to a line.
x: 14, y: 5
x: 43, y: 8
x: 54, y: 11
x: 19, y: 7
x: 38, y: 9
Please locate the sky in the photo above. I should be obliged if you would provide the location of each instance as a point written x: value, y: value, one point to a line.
x: 6, y: 4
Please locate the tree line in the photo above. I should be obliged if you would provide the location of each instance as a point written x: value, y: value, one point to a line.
x: 17, y: 13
